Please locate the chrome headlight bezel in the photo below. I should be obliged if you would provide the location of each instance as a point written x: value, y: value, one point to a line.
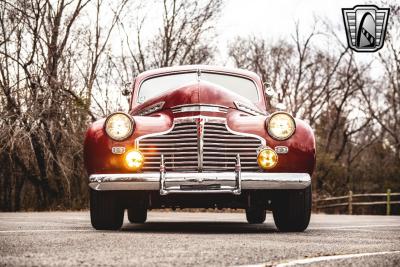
x: 270, y: 121
x: 129, y: 131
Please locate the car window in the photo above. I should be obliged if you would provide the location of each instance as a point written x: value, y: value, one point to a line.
x: 158, y: 85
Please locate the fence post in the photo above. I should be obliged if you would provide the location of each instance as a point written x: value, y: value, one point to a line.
x: 388, y: 202
x: 350, y: 202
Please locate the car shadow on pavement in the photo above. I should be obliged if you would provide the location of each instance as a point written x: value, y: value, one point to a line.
x: 200, y: 227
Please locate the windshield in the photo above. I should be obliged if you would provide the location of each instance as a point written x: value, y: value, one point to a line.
x: 158, y: 85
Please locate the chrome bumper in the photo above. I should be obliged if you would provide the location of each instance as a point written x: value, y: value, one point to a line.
x: 199, y: 182
x: 215, y: 182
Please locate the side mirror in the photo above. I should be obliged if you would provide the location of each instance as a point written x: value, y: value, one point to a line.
x: 269, y: 91
x: 127, y: 90
x: 272, y: 97
x: 280, y: 106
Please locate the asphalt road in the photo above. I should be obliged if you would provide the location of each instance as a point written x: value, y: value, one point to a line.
x: 202, y: 239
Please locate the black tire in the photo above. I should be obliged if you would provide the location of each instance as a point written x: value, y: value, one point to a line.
x: 256, y: 215
x: 137, y: 214
x: 105, y: 211
x: 292, y: 210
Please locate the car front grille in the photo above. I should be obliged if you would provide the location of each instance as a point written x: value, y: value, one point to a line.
x: 181, y: 147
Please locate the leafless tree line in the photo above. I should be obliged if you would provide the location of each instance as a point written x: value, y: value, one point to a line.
x: 56, y: 70
x: 354, y: 112
x: 61, y: 68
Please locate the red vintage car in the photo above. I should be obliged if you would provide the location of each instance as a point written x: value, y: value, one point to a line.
x: 200, y: 137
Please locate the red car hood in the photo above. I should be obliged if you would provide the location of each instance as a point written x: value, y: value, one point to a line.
x: 197, y: 93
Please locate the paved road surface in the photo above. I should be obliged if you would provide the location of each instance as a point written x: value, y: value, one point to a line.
x: 201, y: 239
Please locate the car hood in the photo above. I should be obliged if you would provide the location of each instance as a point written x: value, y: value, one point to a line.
x: 199, y: 93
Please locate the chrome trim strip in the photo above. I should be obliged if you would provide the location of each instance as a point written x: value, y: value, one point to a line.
x: 150, y: 109
x: 151, y: 181
x: 198, y: 108
x: 200, y: 143
x: 188, y: 105
x: 247, y: 109
x: 193, y: 119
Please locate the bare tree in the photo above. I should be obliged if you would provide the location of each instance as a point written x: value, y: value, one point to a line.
x: 384, y: 105
x: 185, y: 37
x: 58, y: 72
x: 322, y: 87
x: 44, y: 111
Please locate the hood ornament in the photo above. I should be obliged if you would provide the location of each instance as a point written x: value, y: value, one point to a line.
x: 198, y: 75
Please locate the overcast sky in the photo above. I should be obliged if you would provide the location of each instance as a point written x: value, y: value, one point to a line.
x: 274, y: 20
x: 268, y: 19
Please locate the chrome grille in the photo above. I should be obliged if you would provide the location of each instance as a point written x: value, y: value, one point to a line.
x: 180, y: 148
x: 221, y: 147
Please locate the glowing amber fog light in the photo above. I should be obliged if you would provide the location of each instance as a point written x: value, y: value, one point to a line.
x: 267, y: 158
x: 134, y: 160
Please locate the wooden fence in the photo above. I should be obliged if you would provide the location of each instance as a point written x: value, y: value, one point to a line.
x: 352, y: 200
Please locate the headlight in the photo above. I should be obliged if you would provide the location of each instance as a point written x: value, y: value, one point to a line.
x: 281, y: 126
x: 267, y: 158
x: 134, y: 160
x: 119, y: 126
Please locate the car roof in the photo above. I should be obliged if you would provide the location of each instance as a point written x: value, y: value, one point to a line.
x: 184, y: 68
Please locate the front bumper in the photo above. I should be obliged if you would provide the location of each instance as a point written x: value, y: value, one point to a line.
x: 199, y: 182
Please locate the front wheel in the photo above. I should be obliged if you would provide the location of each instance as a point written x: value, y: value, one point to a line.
x: 256, y: 215
x: 137, y: 214
x: 105, y: 211
x: 292, y: 210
